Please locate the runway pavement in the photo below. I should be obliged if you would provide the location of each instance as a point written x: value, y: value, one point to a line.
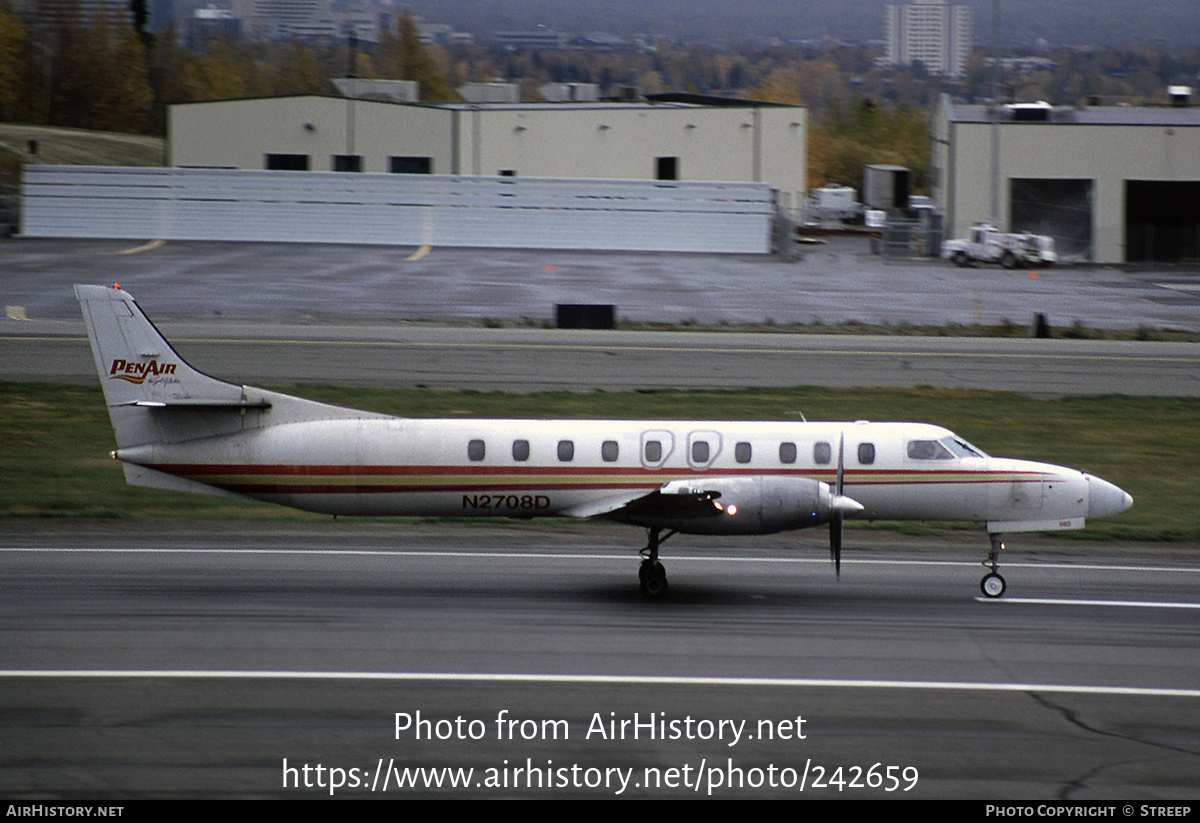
x: 175, y: 659
x: 144, y: 660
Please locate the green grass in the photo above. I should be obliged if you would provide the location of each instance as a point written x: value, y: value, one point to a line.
x: 56, y: 440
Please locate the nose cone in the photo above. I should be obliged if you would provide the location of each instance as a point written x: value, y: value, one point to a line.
x: 846, y: 506
x: 1105, y: 499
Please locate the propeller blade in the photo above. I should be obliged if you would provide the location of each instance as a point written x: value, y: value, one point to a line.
x: 842, y: 506
x: 841, y: 454
x: 835, y: 544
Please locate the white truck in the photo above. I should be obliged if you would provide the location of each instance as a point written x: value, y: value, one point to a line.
x: 987, y: 244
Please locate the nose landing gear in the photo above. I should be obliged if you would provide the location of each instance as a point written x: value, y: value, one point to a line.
x: 993, y: 584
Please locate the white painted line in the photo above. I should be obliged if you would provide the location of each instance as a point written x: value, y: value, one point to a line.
x: 1057, y: 602
x: 602, y: 679
x: 569, y: 555
x: 1180, y: 286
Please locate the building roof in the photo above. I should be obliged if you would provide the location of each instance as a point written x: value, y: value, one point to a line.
x: 653, y: 101
x: 1082, y: 115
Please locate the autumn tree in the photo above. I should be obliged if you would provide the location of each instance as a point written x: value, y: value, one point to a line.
x: 848, y: 140
x: 402, y: 57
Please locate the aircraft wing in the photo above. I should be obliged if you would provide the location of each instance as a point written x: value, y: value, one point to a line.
x: 672, y: 501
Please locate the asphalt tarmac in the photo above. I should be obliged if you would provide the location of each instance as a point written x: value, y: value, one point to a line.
x: 170, y: 660
x: 839, y: 282
x: 176, y: 659
x: 279, y: 313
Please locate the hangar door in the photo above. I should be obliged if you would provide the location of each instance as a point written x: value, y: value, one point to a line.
x: 1162, y: 221
x: 1059, y: 208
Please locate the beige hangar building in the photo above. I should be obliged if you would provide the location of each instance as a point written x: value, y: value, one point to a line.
x: 1112, y: 184
x: 671, y: 138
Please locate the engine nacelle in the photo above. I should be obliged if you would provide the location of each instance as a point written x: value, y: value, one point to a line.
x: 758, y: 504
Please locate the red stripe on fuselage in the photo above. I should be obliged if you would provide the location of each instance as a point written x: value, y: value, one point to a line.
x: 563, y: 478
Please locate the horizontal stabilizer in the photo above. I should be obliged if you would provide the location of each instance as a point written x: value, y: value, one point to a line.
x: 202, y: 403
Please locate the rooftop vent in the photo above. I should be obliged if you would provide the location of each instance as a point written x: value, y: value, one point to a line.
x: 1030, y: 112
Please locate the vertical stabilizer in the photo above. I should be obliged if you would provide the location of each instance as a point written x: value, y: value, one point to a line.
x: 141, y: 374
x: 135, y: 363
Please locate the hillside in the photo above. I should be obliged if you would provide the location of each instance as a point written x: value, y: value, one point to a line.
x: 76, y: 147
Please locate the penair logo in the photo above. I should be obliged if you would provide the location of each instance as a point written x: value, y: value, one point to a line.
x: 138, y: 372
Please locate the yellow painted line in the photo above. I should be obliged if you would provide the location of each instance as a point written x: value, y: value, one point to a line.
x: 418, y: 254
x: 153, y: 244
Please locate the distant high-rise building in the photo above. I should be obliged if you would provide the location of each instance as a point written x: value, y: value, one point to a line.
x: 45, y: 11
x: 932, y: 33
x: 306, y: 19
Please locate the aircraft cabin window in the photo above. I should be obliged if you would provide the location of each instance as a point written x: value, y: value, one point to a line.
x: 787, y: 452
x: 566, y: 450
x: 866, y: 453
x: 742, y: 452
x: 653, y: 451
x: 699, y: 451
x: 475, y: 450
x: 928, y: 450
x: 520, y: 450
x: 609, y: 451
x: 822, y: 454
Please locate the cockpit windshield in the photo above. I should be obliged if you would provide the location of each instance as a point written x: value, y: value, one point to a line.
x: 948, y: 448
x: 961, y: 448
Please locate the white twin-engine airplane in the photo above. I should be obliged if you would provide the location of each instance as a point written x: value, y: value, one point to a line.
x: 179, y: 429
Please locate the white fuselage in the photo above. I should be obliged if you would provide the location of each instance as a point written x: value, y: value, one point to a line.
x: 528, y: 468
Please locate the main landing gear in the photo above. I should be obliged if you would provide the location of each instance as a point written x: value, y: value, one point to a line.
x: 652, y: 575
x: 993, y: 584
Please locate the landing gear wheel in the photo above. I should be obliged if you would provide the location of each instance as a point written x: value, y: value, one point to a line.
x: 654, y: 586
x: 651, y: 574
x: 992, y: 585
x: 651, y: 568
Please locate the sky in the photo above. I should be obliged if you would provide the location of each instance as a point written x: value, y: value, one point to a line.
x: 1169, y: 23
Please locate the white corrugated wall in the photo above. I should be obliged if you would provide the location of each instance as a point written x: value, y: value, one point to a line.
x: 389, y: 209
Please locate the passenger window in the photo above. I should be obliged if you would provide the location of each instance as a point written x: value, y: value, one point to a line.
x: 475, y: 450
x: 566, y: 450
x: 866, y: 453
x: 787, y: 452
x: 742, y: 452
x: 609, y: 451
x: 699, y: 451
x: 653, y: 451
x: 520, y: 450
x: 822, y: 453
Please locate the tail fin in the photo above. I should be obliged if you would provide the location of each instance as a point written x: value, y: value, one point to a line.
x: 139, y: 371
